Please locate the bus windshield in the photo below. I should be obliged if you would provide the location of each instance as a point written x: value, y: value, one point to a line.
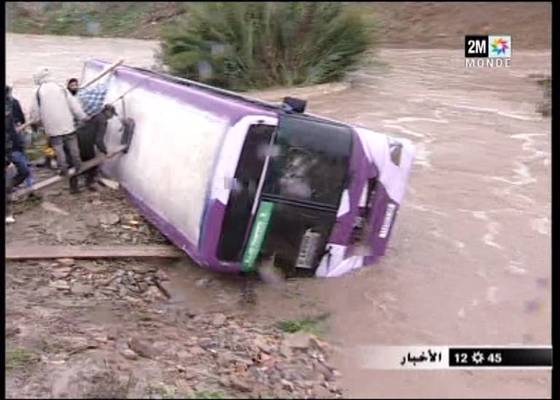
x: 309, y: 162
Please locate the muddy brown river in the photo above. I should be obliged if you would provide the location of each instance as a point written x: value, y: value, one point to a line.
x: 469, y: 262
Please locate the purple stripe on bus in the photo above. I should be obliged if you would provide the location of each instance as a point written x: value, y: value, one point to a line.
x: 211, y: 235
x: 360, y: 171
x: 231, y: 108
x: 175, y: 236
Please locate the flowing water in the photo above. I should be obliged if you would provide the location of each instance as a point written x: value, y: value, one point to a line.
x: 469, y: 261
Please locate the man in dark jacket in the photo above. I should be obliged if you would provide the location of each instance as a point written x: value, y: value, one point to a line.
x: 13, y: 179
x: 90, y: 136
x: 19, y: 158
x: 13, y: 143
x: 8, y: 167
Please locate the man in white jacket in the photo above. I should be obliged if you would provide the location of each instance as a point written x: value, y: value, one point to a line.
x: 56, y: 108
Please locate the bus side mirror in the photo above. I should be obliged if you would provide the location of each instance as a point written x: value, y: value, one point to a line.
x: 291, y: 104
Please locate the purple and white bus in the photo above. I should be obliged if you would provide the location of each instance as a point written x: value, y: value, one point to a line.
x: 233, y: 180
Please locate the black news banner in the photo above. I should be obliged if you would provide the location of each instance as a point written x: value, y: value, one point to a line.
x: 500, y: 357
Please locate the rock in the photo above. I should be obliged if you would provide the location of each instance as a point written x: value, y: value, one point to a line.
x: 298, y: 340
x: 102, y: 339
x: 197, y: 351
x: 287, y: 385
x: 95, y: 268
x: 129, y: 354
x: 68, y: 262
x: 205, y: 342
x: 238, y: 384
x: 131, y: 219
x: 163, y: 289
x: 12, y: 331
x: 62, y: 273
x: 142, y: 268
x: 43, y: 291
x: 142, y: 348
x: 162, y: 276
x: 48, y: 206
x: 91, y: 220
x: 261, y: 344
x: 224, y: 359
x: 325, y: 371
x: 60, y: 285
x: 109, y: 219
x: 81, y: 290
x: 219, y: 320
x: 318, y: 344
x: 109, y: 183
x: 132, y: 300
x: 321, y: 392
x: 285, y: 350
x: 203, y: 283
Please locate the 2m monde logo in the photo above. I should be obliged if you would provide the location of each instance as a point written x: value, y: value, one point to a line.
x: 492, y: 51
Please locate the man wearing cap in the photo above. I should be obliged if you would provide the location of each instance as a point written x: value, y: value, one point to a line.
x: 55, y: 109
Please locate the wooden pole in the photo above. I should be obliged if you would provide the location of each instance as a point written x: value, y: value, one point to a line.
x: 101, y: 75
x: 38, y: 252
x: 52, y: 180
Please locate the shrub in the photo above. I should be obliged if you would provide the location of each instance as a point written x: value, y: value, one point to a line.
x: 262, y: 44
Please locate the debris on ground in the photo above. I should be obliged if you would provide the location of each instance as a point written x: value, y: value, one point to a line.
x: 116, y: 327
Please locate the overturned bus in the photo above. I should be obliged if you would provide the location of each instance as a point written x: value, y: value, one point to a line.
x: 233, y: 180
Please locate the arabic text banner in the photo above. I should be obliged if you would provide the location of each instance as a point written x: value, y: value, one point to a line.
x: 456, y: 357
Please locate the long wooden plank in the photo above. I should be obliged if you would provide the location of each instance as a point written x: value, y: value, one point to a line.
x: 71, y: 172
x: 30, y: 252
x: 102, y: 74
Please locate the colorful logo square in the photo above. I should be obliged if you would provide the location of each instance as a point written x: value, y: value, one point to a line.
x: 499, y: 46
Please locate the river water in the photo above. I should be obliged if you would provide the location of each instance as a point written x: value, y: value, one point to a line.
x: 469, y: 262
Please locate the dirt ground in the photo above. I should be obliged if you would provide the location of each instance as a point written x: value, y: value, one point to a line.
x: 468, y: 262
x: 437, y: 25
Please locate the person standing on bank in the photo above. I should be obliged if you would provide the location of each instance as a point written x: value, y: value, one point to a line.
x: 73, y: 86
x: 55, y: 109
x: 13, y: 124
x: 91, y: 135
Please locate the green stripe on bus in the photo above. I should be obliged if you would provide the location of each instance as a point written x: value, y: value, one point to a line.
x: 258, y: 234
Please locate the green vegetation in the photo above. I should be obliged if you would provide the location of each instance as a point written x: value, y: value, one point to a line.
x: 315, y: 325
x: 19, y: 358
x: 207, y: 395
x: 254, y: 45
x: 113, y: 19
x: 170, y: 392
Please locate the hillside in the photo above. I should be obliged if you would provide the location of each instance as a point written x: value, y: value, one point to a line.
x: 400, y: 25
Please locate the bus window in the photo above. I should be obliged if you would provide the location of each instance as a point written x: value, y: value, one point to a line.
x: 312, y: 161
